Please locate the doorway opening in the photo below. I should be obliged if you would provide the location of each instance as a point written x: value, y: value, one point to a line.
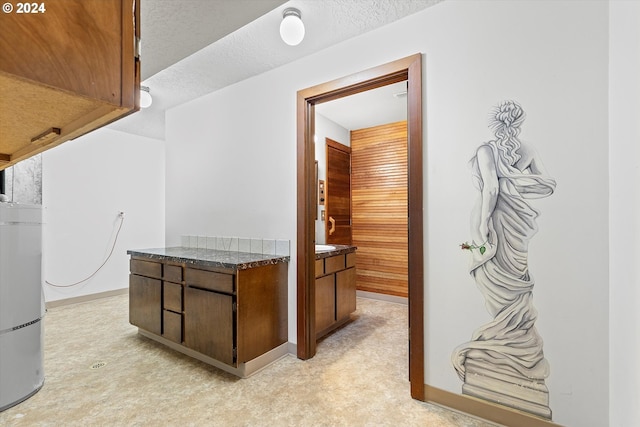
x: 409, y: 69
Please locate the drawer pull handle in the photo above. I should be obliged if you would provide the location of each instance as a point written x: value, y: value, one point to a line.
x: 46, y: 136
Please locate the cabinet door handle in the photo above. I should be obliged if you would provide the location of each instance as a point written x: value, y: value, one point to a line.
x: 333, y: 225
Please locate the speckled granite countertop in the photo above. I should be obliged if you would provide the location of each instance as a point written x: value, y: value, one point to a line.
x: 209, y: 257
x: 339, y: 250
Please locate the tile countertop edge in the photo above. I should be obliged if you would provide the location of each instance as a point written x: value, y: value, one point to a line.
x: 209, y: 257
x: 339, y: 250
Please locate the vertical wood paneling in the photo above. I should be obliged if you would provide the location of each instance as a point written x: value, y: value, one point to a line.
x: 379, y: 207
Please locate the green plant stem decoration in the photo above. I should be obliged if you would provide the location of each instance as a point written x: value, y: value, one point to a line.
x: 482, y: 248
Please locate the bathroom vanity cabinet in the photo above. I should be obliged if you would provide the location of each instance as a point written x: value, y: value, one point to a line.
x: 335, y: 288
x: 66, y: 68
x: 227, y: 309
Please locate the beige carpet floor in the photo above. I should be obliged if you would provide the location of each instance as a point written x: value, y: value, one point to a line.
x: 358, y: 378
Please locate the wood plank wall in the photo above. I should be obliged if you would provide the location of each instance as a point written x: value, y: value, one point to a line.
x: 379, y: 208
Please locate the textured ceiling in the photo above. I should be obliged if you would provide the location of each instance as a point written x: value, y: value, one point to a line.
x: 215, y: 55
x: 174, y: 29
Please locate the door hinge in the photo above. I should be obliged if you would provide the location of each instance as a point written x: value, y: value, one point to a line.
x: 138, y: 48
x: 234, y: 307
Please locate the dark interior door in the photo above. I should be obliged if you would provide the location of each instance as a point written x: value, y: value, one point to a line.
x: 338, y: 194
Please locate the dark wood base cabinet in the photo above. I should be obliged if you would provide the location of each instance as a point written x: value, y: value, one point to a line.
x: 225, y: 317
x: 335, y: 291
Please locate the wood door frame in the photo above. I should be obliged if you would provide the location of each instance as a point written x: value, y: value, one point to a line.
x: 409, y: 69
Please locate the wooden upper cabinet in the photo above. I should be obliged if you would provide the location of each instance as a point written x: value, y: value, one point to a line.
x: 65, y: 71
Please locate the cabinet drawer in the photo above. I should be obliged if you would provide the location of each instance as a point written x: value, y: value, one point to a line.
x: 333, y: 264
x: 173, y: 273
x: 209, y: 280
x: 146, y: 268
x: 172, y: 326
x: 172, y: 297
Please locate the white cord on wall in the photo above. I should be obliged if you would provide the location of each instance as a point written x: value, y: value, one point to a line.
x: 121, y: 216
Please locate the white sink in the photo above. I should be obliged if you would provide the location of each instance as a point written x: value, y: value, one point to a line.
x: 321, y: 248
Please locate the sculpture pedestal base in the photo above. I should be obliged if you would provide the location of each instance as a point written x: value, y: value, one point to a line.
x: 507, y: 388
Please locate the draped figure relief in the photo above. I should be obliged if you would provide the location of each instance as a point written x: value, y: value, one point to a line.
x: 504, y: 361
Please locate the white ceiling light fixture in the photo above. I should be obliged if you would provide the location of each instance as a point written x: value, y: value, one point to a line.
x: 292, y: 27
x: 145, y: 97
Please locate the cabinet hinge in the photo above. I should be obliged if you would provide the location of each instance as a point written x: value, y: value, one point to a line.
x: 235, y: 353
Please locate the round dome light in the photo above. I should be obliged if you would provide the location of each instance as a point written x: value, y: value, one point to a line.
x: 292, y: 27
x: 145, y: 97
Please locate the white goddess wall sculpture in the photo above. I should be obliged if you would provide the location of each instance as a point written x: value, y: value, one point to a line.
x: 504, y: 361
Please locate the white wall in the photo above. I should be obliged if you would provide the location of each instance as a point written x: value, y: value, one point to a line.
x: 497, y: 50
x: 231, y: 169
x: 624, y: 212
x: 86, y: 183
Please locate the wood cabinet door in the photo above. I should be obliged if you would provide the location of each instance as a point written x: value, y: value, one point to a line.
x: 345, y: 293
x: 145, y: 303
x: 65, y: 71
x: 208, y: 324
x: 75, y: 45
x: 325, y: 303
